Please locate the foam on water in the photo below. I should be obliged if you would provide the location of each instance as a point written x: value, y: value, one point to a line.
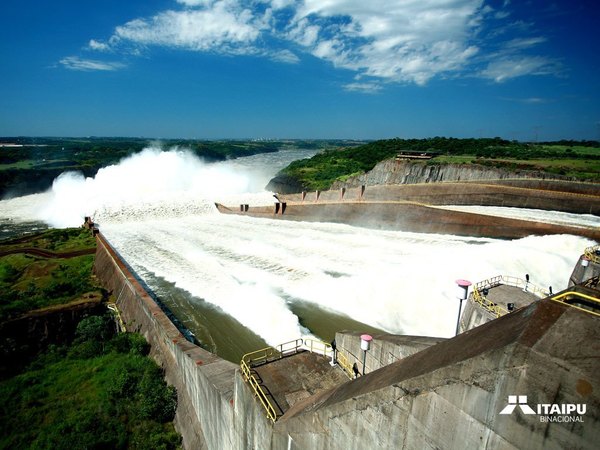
x: 157, y: 209
x: 400, y: 282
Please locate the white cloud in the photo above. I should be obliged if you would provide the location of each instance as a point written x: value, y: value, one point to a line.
x: 367, y: 88
x: 405, y: 41
x: 512, y: 67
x: 529, y: 100
x: 88, y: 65
x: 97, y: 45
x: 195, y: 2
x: 201, y: 30
x: 285, y: 56
x: 522, y: 43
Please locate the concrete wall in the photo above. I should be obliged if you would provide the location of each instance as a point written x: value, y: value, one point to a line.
x: 579, y: 198
x: 582, y: 273
x: 473, y: 315
x: 216, y: 409
x: 449, y: 396
x: 385, y: 348
x: 407, y: 216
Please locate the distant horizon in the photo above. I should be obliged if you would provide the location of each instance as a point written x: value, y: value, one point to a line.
x: 4, y: 139
x: 310, y: 69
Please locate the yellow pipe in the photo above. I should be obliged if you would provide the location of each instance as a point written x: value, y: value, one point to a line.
x: 559, y: 298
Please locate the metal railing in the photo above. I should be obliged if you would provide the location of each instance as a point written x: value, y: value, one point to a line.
x: 567, y: 298
x: 488, y: 305
x: 480, y: 298
x: 291, y: 347
x: 270, y: 354
x: 593, y: 253
x: 320, y: 347
x: 512, y: 281
x: 261, y: 356
x: 121, y: 325
x: 258, y: 390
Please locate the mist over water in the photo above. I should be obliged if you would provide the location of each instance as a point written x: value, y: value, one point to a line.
x: 157, y: 209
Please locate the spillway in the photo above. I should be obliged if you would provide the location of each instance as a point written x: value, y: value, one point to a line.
x: 240, y: 282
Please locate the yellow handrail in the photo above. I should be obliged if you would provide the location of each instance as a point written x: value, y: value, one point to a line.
x: 261, y: 356
x: 560, y: 298
x: 290, y: 347
x: 511, y: 281
x: 258, y: 391
x: 592, y: 253
x: 345, y: 364
x: 269, y: 354
x: 482, y: 300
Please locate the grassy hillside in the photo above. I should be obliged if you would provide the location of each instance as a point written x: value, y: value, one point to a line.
x: 100, y: 392
x: 580, y: 160
x: 29, y: 281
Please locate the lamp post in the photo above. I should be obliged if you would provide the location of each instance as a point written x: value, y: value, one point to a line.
x: 463, y: 289
x: 365, y: 345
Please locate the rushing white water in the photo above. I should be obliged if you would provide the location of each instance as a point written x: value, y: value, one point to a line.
x: 536, y: 215
x: 157, y: 210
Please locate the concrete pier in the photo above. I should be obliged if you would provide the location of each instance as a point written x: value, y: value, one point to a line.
x: 409, y: 216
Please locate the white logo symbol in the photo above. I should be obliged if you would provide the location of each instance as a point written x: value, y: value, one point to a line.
x: 520, y: 401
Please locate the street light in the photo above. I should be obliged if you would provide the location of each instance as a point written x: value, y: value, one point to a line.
x: 463, y: 289
x: 365, y: 345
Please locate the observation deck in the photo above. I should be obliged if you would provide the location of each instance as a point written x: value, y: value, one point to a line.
x: 282, y: 376
x: 496, y: 297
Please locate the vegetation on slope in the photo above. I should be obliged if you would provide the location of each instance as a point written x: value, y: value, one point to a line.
x: 29, y: 282
x: 580, y: 160
x: 100, y: 392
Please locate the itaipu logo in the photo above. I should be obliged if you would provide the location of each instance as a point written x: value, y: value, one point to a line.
x: 548, y: 412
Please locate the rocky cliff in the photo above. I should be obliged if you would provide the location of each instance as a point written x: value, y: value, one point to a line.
x: 394, y: 171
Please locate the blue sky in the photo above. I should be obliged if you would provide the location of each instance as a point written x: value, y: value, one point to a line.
x: 300, y: 68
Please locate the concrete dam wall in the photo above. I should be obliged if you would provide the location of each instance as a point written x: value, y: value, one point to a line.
x: 216, y: 409
x: 416, y: 393
x: 409, y: 216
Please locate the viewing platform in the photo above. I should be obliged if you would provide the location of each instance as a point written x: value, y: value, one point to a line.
x: 282, y: 376
x: 496, y: 297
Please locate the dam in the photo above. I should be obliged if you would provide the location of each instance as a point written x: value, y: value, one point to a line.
x: 287, y: 280
x: 431, y: 393
x: 407, y: 391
